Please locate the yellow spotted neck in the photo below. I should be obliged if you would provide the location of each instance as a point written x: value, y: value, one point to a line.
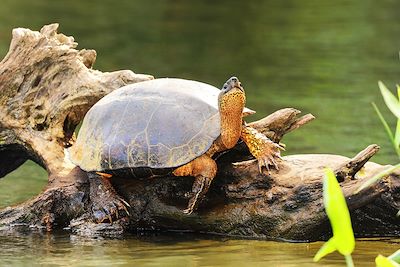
x: 231, y: 106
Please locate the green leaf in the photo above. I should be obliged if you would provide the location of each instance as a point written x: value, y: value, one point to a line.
x: 339, y: 217
x: 385, y: 124
x: 327, y: 248
x: 396, y: 142
x: 398, y: 91
x: 390, y: 100
x: 397, y: 133
x: 338, y: 213
x: 395, y: 256
x: 382, y: 261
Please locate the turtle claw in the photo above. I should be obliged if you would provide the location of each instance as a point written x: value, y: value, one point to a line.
x: 126, y: 204
x: 107, y: 212
x: 187, y: 211
x: 200, y: 187
x: 269, y: 156
x: 262, y: 148
x: 109, y: 218
x: 107, y: 206
x: 125, y: 207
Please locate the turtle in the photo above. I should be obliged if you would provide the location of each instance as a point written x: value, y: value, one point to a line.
x: 161, y: 126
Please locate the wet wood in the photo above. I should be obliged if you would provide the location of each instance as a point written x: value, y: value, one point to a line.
x: 47, y: 86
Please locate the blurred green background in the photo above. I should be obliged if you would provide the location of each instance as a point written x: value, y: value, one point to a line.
x: 322, y: 57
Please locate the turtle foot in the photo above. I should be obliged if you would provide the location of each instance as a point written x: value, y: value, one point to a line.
x: 262, y: 148
x: 199, y: 189
x: 269, y: 155
x: 106, y: 204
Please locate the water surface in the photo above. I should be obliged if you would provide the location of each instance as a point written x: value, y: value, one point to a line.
x: 173, y: 250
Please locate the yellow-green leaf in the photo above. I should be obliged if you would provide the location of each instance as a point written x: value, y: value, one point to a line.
x: 390, y: 100
x: 327, y: 248
x: 385, y: 124
x: 382, y: 261
x: 395, y: 256
x: 398, y: 91
x: 338, y: 213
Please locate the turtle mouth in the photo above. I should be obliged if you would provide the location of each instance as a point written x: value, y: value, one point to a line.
x: 238, y: 86
x: 232, y: 83
x: 235, y: 86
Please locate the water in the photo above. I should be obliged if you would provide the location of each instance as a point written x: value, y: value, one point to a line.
x: 173, y: 250
x: 323, y: 57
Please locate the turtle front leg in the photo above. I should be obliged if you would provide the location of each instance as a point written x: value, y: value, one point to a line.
x: 261, y: 147
x: 107, y: 205
x: 204, y: 170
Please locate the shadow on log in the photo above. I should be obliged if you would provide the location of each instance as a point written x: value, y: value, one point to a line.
x: 46, y: 88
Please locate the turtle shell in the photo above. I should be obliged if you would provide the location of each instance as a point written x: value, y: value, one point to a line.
x: 161, y: 123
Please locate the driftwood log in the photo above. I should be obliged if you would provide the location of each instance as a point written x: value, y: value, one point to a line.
x: 47, y: 86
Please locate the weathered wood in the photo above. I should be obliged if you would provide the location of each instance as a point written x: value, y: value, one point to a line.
x: 350, y: 168
x: 46, y: 87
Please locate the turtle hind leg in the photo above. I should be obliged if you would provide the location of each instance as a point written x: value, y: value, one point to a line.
x: 204, y: 170
x: 106, y: 204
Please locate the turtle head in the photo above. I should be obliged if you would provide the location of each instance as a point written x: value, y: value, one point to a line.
x: 232, y: 94
x: 232, y: 83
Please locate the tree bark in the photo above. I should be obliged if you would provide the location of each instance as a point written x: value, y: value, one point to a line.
x: 46, y: 88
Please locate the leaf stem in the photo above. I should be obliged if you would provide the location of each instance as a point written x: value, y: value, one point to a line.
x: 349, y: 260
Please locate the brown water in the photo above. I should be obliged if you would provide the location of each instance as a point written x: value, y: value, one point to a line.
x: 173, y: 250
x: 323, y: 57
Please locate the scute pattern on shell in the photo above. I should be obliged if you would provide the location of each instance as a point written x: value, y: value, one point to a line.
x: 162, y: 123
